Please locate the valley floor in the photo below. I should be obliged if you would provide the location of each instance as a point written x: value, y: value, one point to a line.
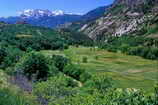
x: 126, y: 71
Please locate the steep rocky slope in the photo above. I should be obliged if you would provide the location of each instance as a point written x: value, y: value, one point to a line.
x: 124, y: 17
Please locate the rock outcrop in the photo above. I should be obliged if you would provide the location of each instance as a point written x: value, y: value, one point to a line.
x: 124, y: 17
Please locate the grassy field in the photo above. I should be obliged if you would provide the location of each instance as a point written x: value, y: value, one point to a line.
x: 127, y: 71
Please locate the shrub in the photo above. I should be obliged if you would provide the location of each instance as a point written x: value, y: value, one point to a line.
x: 13, y: 56
x: 77, y: 72
x: 3, y: 54
x: 73, y: 71
x: 35, y: 65
x: 101, y: 83
x: 111, y: 48
x: 145, y: 52
x: 152, y: 53
x: 111, y: 97
x: 60, y: 61
x: 124, y: 48
x: 54, y: 88
x: 12, y: 97
x: 135, y: 50
x: 84, y: 59
x: 96, y: 57
x: 85, y: 76
x: 9, y: 56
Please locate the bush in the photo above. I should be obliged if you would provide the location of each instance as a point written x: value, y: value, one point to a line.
x: 101, y: 83
x: 111, y: 48
x: 55, y: 88
x: 85, y: 76
x: 145, y: 52
x: 3, y: 54
x: 73, y: 71
x: 9, y: 56
x: 113, y: 96
x: 13, y: 56
x: 124, y: 48
x: 84, y: 59
x: 152, y: 53
x: 12, y: 97
x: 35, y: 65
x: 96, y: 57
x: 60, y: 61
x: 77, y: 72
x: 139, y: 46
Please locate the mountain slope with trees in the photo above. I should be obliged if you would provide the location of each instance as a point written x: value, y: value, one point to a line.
x: 26, y: 36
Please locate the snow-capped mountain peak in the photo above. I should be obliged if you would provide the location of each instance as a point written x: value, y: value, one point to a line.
x: 58, y: 12
x: 37, y: 13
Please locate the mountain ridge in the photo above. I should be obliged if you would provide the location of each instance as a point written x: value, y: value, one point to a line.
x: 45, y: 18
x: 124, y: 17
x: 36, y: 17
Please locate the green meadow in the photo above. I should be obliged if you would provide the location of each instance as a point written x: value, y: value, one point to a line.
x: 126, y: 71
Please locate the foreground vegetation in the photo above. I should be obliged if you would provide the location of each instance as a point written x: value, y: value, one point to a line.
x: 79, y: 76
x: 39, y: 67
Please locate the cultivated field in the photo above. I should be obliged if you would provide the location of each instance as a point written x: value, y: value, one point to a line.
x: 127, y: 71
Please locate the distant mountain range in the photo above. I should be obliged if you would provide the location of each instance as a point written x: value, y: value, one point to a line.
x: 94, y: 14
x: 47, y: 18
x: 44, y: 18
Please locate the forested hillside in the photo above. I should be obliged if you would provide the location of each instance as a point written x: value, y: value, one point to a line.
x: 25, y: 36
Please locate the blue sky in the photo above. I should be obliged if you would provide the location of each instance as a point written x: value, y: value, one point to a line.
x: 12, y: 7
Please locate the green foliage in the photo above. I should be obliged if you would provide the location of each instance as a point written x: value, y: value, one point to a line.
x: 3, y: 54
x: 124, y: 48
x: 156, y: 93
x: 9, y: 56
x: 73, y: 71
x: 111, y: 97
x: 85, y: 59
x: 140, y: 46
x: 102, y: 83
x: 26, y: 36
x: 60, y: 61
x: 80, y: 99
x: 13, y: 56
x: 85, y: 76
x: 152, y: 30
x: 65, y: 82
x: 75, y: 38
x: 35, y: 65
x: 12, y: 97
x: 96, y: 57
x: 55, y: 88
x: 149, y: 53
x: 76, y: 72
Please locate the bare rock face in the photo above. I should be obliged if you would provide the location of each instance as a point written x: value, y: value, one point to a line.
x: 134, y: 3
x: 123, y: 18
x: 129, y: 3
